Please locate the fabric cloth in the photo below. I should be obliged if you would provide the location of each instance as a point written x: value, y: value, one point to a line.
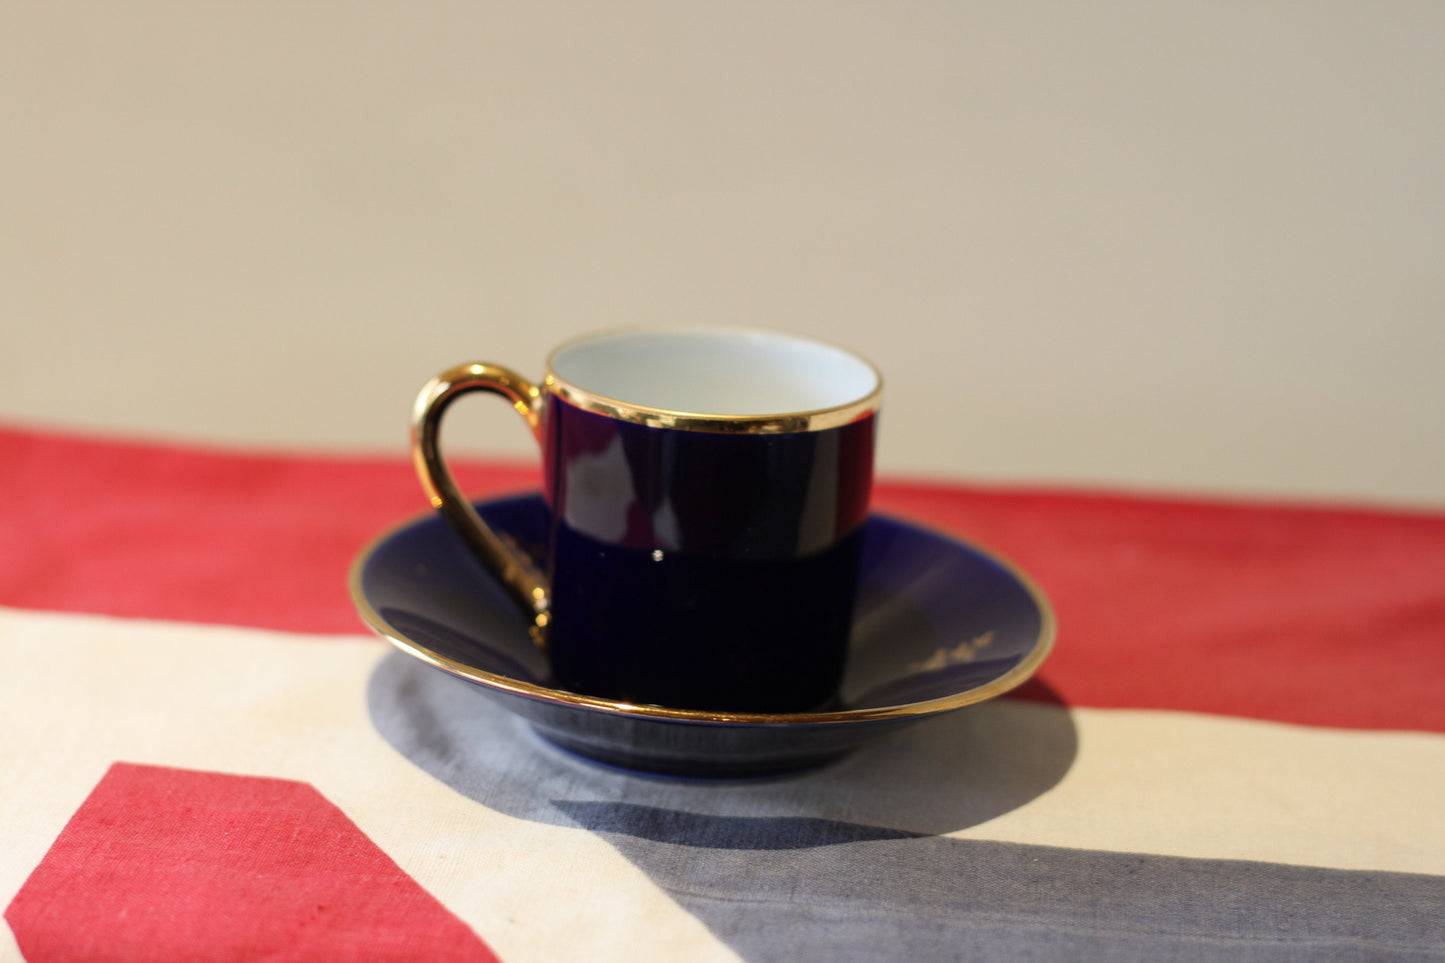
x: 1237, y: 748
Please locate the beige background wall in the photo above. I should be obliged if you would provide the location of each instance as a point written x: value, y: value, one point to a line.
x: 1190, y: 246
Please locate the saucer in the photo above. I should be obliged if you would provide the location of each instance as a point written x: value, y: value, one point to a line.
x: 939, y: 624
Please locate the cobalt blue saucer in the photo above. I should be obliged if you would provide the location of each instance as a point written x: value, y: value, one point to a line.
x: 939, y: 624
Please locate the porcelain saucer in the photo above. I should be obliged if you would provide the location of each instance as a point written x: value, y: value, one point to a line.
x: 939, y: 624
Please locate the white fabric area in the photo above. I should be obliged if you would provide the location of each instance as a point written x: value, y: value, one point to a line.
x: 78, y: 693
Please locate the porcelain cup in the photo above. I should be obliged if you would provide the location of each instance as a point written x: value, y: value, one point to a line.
x: 707, y: 489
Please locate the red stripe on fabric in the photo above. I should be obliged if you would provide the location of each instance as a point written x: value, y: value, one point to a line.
x: 173, y: 864
x: 1299, y: 614
x: 180, y: 533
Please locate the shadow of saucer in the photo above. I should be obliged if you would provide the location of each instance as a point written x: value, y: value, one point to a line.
x: 853, y: 862
x: 940, y: 776
x: 838, y: 862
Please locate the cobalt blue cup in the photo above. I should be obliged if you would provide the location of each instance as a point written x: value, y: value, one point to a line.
x: 708, y: 490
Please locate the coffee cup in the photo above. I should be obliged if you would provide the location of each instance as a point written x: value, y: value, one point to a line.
x: 708, y: 490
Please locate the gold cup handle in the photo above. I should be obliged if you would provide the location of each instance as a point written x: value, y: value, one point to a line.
x: 498, y: 553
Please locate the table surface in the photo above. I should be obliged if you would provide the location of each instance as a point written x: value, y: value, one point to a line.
x: 1235, y: 750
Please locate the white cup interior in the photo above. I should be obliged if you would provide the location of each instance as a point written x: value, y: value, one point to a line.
x: 734, y: 372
